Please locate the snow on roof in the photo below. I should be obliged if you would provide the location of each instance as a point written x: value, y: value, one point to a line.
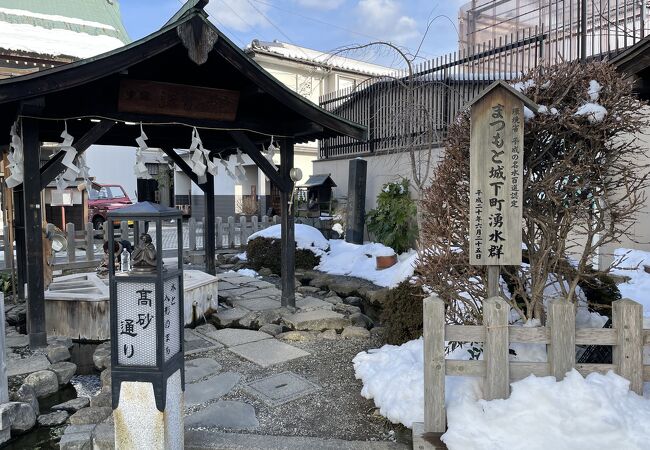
x: 315, y: 56
x: 55, y: 42
x: 56, y: 18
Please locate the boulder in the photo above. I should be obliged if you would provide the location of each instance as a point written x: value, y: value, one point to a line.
x: 104, y: 437
x: 376, y: 297
x: 104, y: 398
x: 307, y: 289
x: 345, y: 287
x: 64, y: 371
x: 21, y: 416
x: 53, y: 419
x: 296, y: 336
x: 105, y: 378
x: 271, y: 328
x: 27, y: 394
x: 330, y: 335
x: 355, y: 332
x: 73, y: 405
x: 44, y: 382
x: 91, y: 415
x: 60, y: 340
x: 361, y: 320
x: 317, y: 320
x: 353, y: 301
x: 265, y: 272
x: 57, y: 353
x: 102, y: 357
x: 346, y: 309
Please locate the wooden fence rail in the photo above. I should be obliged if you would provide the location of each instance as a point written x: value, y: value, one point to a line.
x: 230, y: 233
x: 627, y: 337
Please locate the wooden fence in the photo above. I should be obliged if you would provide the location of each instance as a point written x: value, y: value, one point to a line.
x: 230, y: 233
x: 627, y: 337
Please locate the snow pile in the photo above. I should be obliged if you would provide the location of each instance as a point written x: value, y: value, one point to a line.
x: 596, y: 412
x: 394, y: 377
x: 523, y: 86
x: 308, y: 238
x: 355, y: 260
x: 595, y: 113
x: 343, y: 258
x: 594, y: 90
x: 246, y: 273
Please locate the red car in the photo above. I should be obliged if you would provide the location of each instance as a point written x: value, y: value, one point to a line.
x: 103, y: 198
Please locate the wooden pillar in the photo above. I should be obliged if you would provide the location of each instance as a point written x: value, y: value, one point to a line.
x: 19, y: 236
x: 208, y: 225
x: 287, y: 227
x: 34, y: 229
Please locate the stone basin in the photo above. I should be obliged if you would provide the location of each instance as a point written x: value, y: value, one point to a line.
x: 78, y: 305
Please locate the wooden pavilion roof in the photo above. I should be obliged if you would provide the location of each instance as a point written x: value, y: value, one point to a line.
x: 191, y: 68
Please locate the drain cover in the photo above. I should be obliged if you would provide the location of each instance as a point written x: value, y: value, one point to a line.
x: 281, y: 388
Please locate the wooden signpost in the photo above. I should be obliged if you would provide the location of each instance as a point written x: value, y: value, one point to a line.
x: 496, y: 163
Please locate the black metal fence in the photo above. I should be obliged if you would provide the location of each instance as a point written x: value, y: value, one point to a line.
x: 439, y: 88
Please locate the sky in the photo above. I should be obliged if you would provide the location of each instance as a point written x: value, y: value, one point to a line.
x: 324, y: 25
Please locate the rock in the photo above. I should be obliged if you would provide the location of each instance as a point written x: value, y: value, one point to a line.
x: 23, y: 366
x: 102, y: 357
x: 57, y: 353
x: 265, y: 272
x: 17, y: 341
x: 271, y: 328
x: 205, y: 328
x: 346, y: 309
x: 317, y: 320
x: 344, y: 287
x: 225, y: 318
x: 330, y: 335
x: 91, y: 415
x: 64, y: 371
x: 77, y: 437
x: 21, y: 416
x: 17, y: 316
x: 27, y: 394
x: 333, y: 299
x: 353, y: 301
x: 44, y: 382
x: 53, y: 419
x: 60, y: 340
x: 73, y: 405
x: 105, y: 378
x: 320, y: 282
x: 361, y: 320
x: 376, y: 297
x: 103, y: 437
x: 257, y: 319
x: 355, y: 332
x: 225, y: 414
x: 296, y: 336
x: 307, y: 289
x: 104, y: 398
x: 213, y: 388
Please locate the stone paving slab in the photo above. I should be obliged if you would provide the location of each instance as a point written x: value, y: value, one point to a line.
x: 225, y: 275
x: 225, y: 286
x: 210, y: 389
x: 234, y: 336
x: 17, y: 340
x: 241, y: 279
x: 27, y: 365
x: 209, y: 440
x: 226, y: 414
x: 268, y: 352
x: 257, y: 304
x: 261, y: 284
x: 230, y: 315
x: 196, y: 369
x: 238, y: 292
x: 281, y: 388
x: 263, y: 293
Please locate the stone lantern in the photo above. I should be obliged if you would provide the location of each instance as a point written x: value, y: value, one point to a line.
x: 146, y: 301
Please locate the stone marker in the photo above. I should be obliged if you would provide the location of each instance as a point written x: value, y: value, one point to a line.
x: 356, y: 210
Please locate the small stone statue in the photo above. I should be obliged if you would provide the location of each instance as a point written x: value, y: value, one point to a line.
x: 102, y: 270
x: 144, y: 258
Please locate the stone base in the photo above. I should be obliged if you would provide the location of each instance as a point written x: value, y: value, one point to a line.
x: 139, y: 424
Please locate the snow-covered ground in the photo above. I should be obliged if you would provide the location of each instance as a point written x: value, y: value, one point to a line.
x: 593, y: 412
x: 342, y: 258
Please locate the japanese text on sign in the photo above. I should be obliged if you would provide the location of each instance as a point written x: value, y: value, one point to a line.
x: 136, y: 321
x: 495, y: 179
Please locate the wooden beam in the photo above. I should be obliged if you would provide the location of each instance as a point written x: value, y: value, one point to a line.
x: 287, y: 233
x: 208, y: 225
x: 54, y: 167
x: 34, y: 235
x: 180, y: 162
x: 251, y: 150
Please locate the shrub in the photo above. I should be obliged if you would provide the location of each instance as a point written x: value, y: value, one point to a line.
x: 392, y: 222
x: 402, y: 313
x: 266, y: 252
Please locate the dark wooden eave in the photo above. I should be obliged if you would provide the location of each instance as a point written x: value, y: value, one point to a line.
x: 87, y: 88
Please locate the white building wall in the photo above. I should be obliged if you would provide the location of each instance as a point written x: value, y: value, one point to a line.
x: 113, y: 165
